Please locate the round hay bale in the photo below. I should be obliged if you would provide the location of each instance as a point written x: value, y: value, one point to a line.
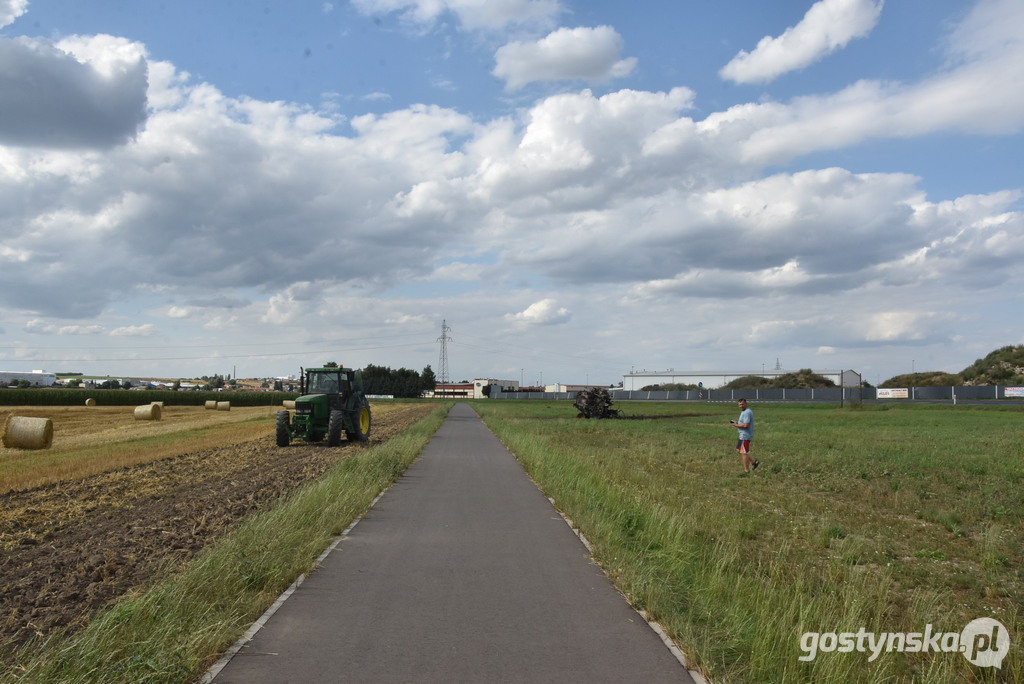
x: 210, y: 405
x: 147, y: 412
x: 223, y: 405
x: 90, y: 402
x: 22, y: 432
x: 157, y: 403
x: 289, y: 404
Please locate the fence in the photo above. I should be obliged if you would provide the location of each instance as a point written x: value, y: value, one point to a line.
x: 828, y: 394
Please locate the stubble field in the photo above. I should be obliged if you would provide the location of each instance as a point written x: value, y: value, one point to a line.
x: 116, y: 501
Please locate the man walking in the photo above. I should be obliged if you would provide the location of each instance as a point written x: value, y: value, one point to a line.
x: 745, y: 425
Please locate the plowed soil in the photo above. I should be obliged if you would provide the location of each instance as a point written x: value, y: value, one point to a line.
x: 68, y: 548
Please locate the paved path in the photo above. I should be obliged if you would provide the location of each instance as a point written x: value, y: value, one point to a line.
x: 462, y: 572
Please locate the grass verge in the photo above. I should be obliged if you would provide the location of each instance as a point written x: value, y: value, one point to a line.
x: 886, y: 520
x: 180, y: 625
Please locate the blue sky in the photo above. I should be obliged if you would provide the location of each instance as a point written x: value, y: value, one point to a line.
x: 578, y: 188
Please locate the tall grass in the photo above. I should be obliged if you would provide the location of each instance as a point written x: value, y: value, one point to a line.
x: 176, y: 628
x: 886, y: 520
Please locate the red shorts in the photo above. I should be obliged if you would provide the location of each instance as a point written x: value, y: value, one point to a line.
x: 743, y: 445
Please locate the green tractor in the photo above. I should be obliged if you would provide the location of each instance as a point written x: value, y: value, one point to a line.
x: 332, y: 403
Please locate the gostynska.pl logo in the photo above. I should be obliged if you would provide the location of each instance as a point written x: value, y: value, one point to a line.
x: 984, y: 642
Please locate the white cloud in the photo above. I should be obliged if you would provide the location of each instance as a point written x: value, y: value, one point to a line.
x: 888, y: 326
x: 828, y: 26
x: 80, y: 330
x: 458, y: 271
x: 178, y: 312
x: 11, y: 10
x: 543, y: 312
x: 978, y: 93
x: 145, y: 330
x: 589, y: 54
x: 38, y: 326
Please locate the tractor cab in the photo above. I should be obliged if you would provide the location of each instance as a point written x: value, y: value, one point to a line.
x: 325, y: 381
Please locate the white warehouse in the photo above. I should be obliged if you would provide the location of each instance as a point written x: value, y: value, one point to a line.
x: 36, y: 377
x: 710, y: 379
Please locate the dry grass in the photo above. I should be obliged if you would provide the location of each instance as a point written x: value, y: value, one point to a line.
x: 91, y: 440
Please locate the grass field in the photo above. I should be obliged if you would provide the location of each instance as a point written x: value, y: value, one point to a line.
x: 888, y: 519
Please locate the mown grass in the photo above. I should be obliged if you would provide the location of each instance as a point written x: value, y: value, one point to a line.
x: 180, y: 625
x: 888, y: 520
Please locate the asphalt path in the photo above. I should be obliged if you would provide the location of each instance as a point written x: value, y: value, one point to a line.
x: 462, y: 572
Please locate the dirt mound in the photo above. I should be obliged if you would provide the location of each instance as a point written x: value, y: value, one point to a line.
x: 69, y: 548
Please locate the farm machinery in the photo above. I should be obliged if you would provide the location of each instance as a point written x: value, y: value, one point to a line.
x: 595, y: 402
x: 332, y: 402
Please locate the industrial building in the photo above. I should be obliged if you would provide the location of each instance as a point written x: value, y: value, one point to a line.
x: 471, y: 390
x: 710, y: 378
x: 38, y: 378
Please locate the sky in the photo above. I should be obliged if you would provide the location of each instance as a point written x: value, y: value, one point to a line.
x: 578, y: 189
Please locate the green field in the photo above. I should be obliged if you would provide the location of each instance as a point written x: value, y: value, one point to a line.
x: 888, y: 519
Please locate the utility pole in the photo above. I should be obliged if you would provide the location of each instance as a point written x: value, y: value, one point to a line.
x: 442, y: 363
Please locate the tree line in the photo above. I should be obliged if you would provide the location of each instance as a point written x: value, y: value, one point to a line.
x: 401, y: 383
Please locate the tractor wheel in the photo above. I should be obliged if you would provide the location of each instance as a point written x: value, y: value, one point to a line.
x: 361, y: 422
x: 284, y: 436
x: 334, y: 428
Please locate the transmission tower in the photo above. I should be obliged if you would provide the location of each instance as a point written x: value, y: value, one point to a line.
x: 442, y: 363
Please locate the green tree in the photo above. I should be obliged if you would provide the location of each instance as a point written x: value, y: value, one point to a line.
x: 401, y: 383
x: 429, y: 380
